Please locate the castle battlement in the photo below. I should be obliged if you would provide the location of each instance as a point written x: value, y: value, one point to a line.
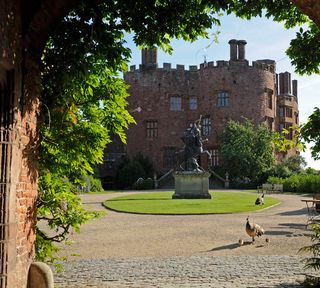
x: 237, y: 60
x: 266, y: 65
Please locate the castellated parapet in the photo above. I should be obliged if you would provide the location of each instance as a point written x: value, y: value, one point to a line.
x: 172, y: 97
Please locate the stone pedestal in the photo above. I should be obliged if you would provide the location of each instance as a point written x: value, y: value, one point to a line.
x: 191, y: 185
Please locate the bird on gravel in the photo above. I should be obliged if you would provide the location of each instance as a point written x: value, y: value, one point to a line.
x: 253, y: 230
x: 260, y: 200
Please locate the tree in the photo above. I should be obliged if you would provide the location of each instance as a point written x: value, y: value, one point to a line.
x: 293, y: 165
x: 246, y: 151
x: 311, y: 133
x: 296, y: 163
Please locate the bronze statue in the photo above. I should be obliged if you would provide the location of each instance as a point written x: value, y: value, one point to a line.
x: 193, y: 147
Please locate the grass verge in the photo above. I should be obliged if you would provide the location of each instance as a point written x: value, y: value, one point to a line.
x: 162, y: 203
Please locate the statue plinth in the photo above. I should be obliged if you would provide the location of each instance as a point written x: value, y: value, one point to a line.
x: 191, y: 185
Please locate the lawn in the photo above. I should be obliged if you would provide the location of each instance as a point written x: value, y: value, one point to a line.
x: 161, y: 203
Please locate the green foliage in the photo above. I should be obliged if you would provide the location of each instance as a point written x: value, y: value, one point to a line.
x: 308, y: 42
x: 295, y: 163
x: 304, y: 50
x: 283, y: 142
x: 292, y: 165
x: 314, y: 261
x: 311, y: 133
x: 300, y: 183
x: 143, y: 184
x: 60, y: 209
x: 91, y: 184
x: 246, y: 151
x: 132, y: 170
x: 281, y: 171
x: 312, y: 171
x: 128, y: 174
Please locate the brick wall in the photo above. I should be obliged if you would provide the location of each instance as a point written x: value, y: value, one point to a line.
x: 24, y: 28
x: 248, y: 88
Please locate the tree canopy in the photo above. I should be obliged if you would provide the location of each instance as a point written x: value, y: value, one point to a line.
x: 311, y: 133
x: 246, y: 151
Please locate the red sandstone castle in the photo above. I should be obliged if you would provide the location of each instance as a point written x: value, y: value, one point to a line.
x: 172, y: 98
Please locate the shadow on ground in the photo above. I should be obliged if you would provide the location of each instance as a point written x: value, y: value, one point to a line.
x: 233, y: 246
x: 302, y: 211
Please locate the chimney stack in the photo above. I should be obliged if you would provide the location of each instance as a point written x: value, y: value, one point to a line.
x: 295, y: 87
x: 285, y: 83
x: 241, y: 49
x: 233, y: 49
x: 237, y: 49
x: 149, y: 57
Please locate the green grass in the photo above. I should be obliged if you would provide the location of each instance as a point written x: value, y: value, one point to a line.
x: 162, y: 203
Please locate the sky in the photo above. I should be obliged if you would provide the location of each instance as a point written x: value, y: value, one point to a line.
x: 265, y: 40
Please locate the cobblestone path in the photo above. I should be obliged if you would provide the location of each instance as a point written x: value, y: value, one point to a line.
x: 182, y: 271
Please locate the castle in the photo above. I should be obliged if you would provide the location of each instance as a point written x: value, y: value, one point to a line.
x: 170, y: 99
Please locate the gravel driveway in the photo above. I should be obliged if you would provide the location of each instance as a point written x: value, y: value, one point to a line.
x: 162, y: 241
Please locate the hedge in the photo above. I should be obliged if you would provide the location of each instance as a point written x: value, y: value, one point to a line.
x: 300, y: 183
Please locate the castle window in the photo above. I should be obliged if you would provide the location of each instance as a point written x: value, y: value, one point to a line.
x: 205, y: 126
x: 288, y: 126
x: 269, y: 122
x: 223, y: 99
x: 175, y: 103
x: 296, y: 116
x: 169, y: 158
x: 270, y: 98
x: 193, y: 103
x: 281, y: 111
x: 214, y: 157
x: 152, y: 129
x: 289, y: 112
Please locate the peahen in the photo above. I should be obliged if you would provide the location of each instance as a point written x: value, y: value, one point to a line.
x: 253, y: 230
x: 260, y: 200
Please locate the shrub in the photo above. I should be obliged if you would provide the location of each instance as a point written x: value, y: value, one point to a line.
x: 313, y: 262
x: 129, y: 174
x: 96, y: 185
x: 131, y: 170
x: 143, y: 184
x: 91, y: 184
x: 301, y: 183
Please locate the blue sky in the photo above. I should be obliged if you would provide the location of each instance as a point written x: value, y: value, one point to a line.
x: 265, y: 40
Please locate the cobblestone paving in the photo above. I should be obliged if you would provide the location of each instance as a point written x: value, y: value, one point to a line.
x: 182, y: 271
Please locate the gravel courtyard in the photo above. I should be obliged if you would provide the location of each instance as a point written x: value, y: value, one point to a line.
x: 130, y: 250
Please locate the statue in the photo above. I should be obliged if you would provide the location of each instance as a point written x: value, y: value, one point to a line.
x: 192, y: 181
x: 193, y: 147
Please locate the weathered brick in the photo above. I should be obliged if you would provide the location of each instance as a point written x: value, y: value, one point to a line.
x: 248, y: 89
